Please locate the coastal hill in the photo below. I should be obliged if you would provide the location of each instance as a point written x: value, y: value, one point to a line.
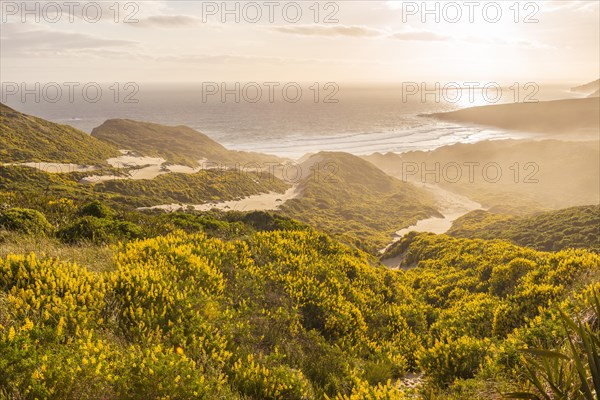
x: 535, y: 175
x: 574, y: 227
x: 25, y: 138
x: 177, y: 144
x: 352, y: 198
x: 551, y: 117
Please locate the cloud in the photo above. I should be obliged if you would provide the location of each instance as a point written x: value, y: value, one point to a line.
x: 358, y: 31
x: 167, y: 21
x: 220, y: 59
x: 336, y: 30
x: 561, y: 5
x: 420, y: 36
x: 505, y: 42
x: 19, y: 40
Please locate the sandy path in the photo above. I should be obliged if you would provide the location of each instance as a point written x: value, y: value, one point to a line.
x: 451, y: 205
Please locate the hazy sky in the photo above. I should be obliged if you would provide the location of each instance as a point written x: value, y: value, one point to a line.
x: 371, y: 41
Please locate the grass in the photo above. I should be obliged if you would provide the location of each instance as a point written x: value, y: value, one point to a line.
x: 94, y: 258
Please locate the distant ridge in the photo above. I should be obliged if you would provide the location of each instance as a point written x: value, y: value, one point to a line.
x: 558, y: 116
x: 24, y: 138
x: 588, y: 88
x: 177, y: 144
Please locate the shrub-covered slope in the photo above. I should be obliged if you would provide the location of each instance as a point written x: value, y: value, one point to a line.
x: 197, y: 188
x: 280, y: 315
x: 575, y: 227
x: 24, y: 138
x: 350, y: 197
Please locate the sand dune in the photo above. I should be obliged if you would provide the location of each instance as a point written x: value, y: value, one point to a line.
x: 260, y: 202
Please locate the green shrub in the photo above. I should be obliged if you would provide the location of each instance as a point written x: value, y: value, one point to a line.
x: 99, y: 231
x: 96, y: 209
x: 452, y: 359
x: 25, y: 221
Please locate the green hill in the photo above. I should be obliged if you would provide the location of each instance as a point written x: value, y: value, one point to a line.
x: 176, y: 144
x: 575, y: 227
x: 24, y: 138
x: 350, y: 197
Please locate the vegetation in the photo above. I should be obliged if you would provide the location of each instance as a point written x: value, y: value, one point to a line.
x: 29, y: 139
x: 25, y: 221
x: 200, y: 187
x: 197, y: 188
x: 176, y: 144
x: 177, y: 312
x: 255, y: 305
x: 485, y: 300
x: 574, y: 371
x: 575, y: 227
x: 354, y: 200
x: 100, y: 300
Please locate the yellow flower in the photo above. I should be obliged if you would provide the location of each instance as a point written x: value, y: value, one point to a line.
x: 179, y: 350
x: 11, y: 334
x: 28, y: 325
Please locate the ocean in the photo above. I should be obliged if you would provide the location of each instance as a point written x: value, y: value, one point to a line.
x: 364, y: 120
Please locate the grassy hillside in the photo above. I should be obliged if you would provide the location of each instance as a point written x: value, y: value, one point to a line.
x: 535, y: 175
x: 205, y: 186
x: 349, y: 197
x: 177, y: 144
x: 24, y: 138
x: 31, y: 186
x: 559, y: 116
x: 201, y: 187
x: 576, y: 227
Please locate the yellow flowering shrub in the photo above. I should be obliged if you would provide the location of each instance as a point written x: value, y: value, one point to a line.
x: 277, y: 315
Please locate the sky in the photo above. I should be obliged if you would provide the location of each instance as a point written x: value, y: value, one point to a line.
x: 303, y: 41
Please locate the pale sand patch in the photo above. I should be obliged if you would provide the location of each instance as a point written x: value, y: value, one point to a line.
x: 451, y: 205
x: 259, y: 202
x: 151, y: 167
